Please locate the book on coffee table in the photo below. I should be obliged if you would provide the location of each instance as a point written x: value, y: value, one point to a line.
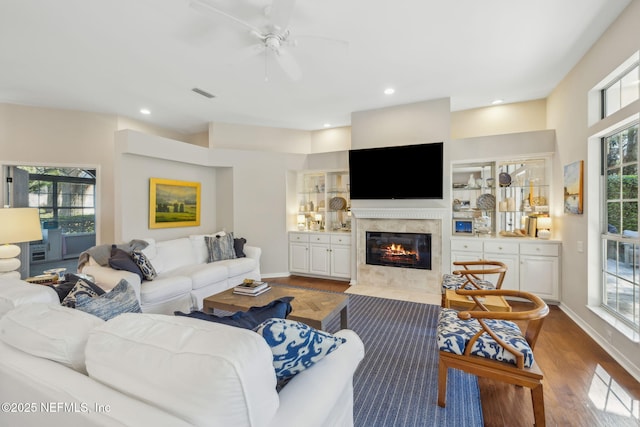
x: 251, y: 292
x: 253, y: 287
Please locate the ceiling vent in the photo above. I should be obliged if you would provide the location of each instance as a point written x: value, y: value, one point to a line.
x: 203, y: 93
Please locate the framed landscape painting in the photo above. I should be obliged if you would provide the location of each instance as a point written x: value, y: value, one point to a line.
x: 573, y: 187
x: 173, y: 203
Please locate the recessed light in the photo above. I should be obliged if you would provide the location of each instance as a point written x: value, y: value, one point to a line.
x: 145, y: 111
x: 497, y: 101
x: 389, y: 91
x: 327, y: 125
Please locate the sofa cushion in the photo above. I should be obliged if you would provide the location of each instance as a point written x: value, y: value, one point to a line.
x: 15, y: 292
x: 250, y: 319
x: 205, y: 373
x: 296, y: 346
x: 204, y: 274
x: 82, y: 287
x: 238, y: 266
x: 164, y: 289
x: 49, y: 331
x: 173, y: 254
x: 121, y: 299
x: 144, y: 264
x: 220, y: 247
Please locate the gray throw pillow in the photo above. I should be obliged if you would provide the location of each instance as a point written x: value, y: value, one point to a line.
x: 220, y: 247
x: 121, y: 299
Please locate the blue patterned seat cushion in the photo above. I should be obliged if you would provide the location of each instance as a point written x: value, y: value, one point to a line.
x: 453, y: 281
x: 454, y: 334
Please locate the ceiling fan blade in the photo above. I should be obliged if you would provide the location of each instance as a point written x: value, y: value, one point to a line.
x: 246, y: 53
x: 288, y: 64
x: 280, y: 13
x: 203, y: 6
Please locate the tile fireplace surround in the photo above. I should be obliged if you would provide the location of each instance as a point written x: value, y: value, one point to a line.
x: 379, y: 279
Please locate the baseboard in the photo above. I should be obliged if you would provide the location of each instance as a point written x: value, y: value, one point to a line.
x: 273, y: 275
x: 629, y: 366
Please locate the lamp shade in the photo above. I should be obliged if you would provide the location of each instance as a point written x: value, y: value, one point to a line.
x: 543, y: 223
x: 19, y: 225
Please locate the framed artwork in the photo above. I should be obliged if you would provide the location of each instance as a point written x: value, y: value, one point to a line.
x: 173, y: 203
x: 574, y: 187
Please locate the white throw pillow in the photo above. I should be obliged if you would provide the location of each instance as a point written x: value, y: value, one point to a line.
x: 52, y: 332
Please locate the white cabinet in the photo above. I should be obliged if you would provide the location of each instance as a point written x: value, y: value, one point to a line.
x: 319, y: 250
x: 299, y: 252
x: 507, y: 253
x: 533, y: 265
x: 540, y: 270
x: 320, y: 254
x: 340, y: 254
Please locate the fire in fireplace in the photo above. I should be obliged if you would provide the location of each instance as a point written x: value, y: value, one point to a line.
x: 408, y: 250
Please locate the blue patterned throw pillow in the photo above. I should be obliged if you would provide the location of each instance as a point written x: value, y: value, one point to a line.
x: 143, y: 263
x: 121, y: 299
x: 295, y: 346
x: 84, y: 288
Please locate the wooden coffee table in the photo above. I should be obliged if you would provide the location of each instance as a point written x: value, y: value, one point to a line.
x: 492, y: 302
x: 314, y: 308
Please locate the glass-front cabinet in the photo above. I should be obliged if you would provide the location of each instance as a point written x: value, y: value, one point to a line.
x: 523, y: 195
x: 474, y: 198
x: 324, y: 203
x: 500, y: 198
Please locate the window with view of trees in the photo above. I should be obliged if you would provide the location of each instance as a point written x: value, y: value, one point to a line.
x: 621, y: 287
x: 65, y: 196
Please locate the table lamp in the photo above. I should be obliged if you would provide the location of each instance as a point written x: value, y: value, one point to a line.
x: 544, y: 227
x: 17, y: 225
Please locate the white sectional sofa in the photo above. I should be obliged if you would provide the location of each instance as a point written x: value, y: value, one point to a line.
x: 63, y: 367
x: 184, y: 277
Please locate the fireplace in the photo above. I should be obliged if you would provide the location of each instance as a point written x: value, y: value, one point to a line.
x: 406, y: 250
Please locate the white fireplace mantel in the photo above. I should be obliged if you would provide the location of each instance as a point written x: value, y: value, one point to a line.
x: 399, y: 213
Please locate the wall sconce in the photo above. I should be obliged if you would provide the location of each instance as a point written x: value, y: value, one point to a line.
x: 17, y: 225
x: 544, y: 227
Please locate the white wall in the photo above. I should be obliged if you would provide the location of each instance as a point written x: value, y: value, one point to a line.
x: 261, y: 138
x: 567, y: 113
x: 243, y: 191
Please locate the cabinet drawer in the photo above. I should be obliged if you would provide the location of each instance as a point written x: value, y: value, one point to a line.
x: 319, y: 238
x: 298, y: 237
x: 539, y: 249
x: 501, y: 247
x: 466, y: 245
x: 340, y: 239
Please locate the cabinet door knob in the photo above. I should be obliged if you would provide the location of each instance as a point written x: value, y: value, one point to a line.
x: 465, y: 246
x: 499, y: 248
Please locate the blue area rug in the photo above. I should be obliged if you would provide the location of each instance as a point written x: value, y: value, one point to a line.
x: 397, y: 382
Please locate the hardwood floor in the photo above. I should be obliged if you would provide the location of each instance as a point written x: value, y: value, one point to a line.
x: 583, y: 385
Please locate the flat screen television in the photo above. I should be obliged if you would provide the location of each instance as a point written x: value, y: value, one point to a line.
x: 402, y: 172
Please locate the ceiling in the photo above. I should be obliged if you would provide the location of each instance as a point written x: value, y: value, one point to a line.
x: 118, y: 56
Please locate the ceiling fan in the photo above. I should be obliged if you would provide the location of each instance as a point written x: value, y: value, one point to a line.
x: 274, y: 38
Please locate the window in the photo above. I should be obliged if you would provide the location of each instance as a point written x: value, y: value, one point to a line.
x: 621, y: 285
x: 65, y: 196
x: 622, y: 91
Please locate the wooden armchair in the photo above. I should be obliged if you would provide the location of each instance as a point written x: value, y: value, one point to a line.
x: 489, y: 344
x: 468, y: 277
